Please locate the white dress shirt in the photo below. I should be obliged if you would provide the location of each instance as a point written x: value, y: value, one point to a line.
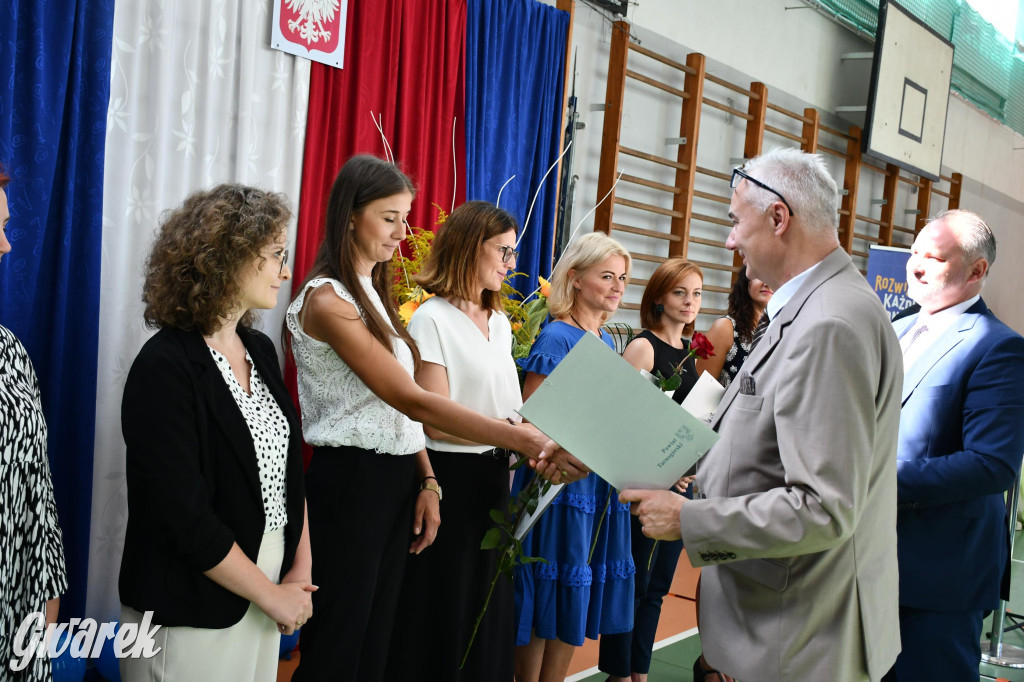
x: 937, y: 323
x: 785, y: 292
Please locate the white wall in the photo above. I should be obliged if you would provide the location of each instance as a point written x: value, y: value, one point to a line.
x: 797, y: 54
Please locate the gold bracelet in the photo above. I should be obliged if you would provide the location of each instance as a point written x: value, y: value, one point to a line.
x: 429, y: 484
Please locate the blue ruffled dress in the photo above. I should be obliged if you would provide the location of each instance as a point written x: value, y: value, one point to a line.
x: 567, y: 598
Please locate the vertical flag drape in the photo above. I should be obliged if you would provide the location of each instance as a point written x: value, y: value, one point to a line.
x: 199, y: 98
x: 55, y: 68
x: 196, y: 99
x: 403, y: 62
x: 515, y: 51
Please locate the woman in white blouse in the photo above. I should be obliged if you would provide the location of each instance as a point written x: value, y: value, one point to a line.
x: 216, y: 545
x: 373, y: 496
x: 465, y: 344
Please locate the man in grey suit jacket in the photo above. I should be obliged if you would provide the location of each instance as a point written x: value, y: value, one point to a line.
x: 795, y: 520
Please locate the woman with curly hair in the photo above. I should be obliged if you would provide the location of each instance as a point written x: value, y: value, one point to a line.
x: 217, y: 546
x: 747, y: 302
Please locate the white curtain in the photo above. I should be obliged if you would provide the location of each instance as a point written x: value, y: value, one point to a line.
x: 197, y: 98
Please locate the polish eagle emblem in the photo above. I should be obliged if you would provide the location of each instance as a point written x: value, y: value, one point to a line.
x: 312, y: 20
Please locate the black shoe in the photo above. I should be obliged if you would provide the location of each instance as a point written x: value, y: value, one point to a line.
x: 700, y: 672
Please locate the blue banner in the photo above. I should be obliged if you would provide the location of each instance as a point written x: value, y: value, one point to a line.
x: 887, y: 275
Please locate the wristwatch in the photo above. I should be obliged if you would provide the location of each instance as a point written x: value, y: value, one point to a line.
x: 430, y: 484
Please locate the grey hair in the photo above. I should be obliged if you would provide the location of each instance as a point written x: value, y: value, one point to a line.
x: 805, y: 182
x: 975, y: 236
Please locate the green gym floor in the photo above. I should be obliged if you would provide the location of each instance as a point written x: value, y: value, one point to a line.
x: 674, y: 654
x: 678, y: 643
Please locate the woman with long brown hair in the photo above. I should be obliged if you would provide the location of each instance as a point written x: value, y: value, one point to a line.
x: 373, y: 495
x: 465, y: 343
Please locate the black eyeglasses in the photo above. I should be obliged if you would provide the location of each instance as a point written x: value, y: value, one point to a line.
x: 507, y: 252
x: 738, y: 176
x: 283, y: 257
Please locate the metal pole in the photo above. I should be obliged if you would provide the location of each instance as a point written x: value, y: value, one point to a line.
x: 995, y: 651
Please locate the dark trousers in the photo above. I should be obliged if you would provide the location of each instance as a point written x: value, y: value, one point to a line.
x: 446, y: 585
x: 630, y: 652
x: 938, y: 645
x: 360, y: 526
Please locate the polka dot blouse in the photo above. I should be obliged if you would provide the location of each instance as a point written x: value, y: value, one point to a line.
x: 270, y: 432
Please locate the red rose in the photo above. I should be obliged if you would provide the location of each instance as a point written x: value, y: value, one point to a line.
x: 701, y: 347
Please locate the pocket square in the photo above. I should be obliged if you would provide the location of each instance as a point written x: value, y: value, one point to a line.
x: 747, y: 386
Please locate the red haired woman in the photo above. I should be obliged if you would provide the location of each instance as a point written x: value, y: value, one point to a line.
x: 668, y: 309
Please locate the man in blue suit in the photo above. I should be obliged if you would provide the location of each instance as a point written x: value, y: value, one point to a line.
x: 961, y: 438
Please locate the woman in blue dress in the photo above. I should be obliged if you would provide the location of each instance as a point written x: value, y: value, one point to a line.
x: 560, y: 602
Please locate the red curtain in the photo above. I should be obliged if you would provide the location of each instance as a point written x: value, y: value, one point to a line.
x: 404, y: 61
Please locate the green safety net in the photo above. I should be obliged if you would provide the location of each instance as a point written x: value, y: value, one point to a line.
x: 988, y: 68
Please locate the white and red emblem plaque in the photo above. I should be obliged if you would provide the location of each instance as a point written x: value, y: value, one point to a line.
x: 314, y: 29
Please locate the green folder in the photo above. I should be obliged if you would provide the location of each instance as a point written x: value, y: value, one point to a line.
x: 623, y: 427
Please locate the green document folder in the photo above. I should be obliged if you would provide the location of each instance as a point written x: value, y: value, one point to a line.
x: 626, y: 430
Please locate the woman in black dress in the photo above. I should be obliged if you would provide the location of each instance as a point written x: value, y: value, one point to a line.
x: 668, y: 309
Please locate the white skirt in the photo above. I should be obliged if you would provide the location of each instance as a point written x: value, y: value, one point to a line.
x: 245, y: 652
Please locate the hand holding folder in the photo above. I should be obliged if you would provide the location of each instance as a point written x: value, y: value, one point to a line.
x: 599, y: 408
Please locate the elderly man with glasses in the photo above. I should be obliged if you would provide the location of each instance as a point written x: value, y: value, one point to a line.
x: 795, y: 517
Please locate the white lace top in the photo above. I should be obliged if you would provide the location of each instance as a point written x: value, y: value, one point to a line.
x: 337, y: 407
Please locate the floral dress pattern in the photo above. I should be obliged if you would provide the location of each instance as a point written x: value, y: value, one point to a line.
x: 734, y: 358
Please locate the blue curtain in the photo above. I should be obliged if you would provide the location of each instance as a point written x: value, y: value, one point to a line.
x: 515, y: 51
x: 54, y: 87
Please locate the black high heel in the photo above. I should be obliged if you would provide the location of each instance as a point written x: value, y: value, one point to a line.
x: 700, y: 673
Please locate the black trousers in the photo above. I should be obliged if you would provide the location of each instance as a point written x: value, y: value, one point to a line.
x: 446, y: 585
x: 630, y: 652
x: 360, y: 526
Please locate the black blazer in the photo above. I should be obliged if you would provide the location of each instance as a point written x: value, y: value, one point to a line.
x: 193, y: 479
